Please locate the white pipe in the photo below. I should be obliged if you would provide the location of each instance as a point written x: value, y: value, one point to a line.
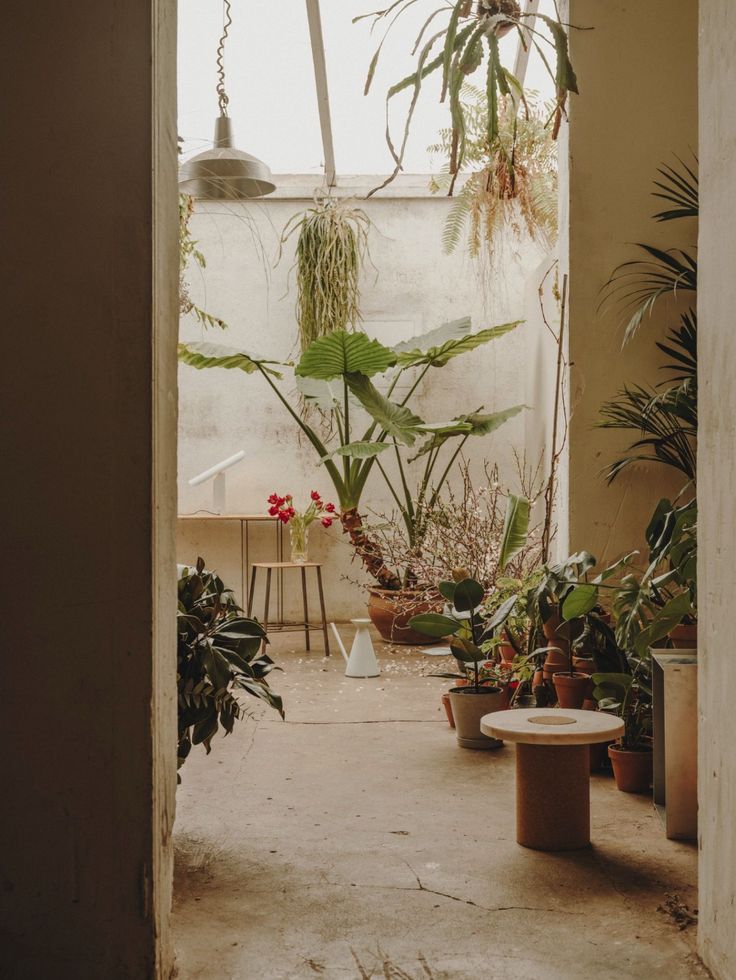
x: 217, y: 468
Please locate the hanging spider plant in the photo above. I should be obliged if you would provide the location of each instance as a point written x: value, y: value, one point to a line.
x: 512, y: 185
x: 466, y: 43
x: 332, y: 246
x: 188, y: 252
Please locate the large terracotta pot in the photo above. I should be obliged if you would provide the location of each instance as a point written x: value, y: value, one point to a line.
x: 632, y: 770
x: 468, y: 707
x: 391, y: 611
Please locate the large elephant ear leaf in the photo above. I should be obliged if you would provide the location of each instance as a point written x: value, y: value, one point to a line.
x: 439, y: 355
x: 318, y: 393
x: 515, y: 529
x: 436, y: 337
x: 395, y: 419
x: 201, y: 355
x: 341, y: 353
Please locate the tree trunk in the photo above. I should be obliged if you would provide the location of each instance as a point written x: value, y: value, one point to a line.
x: 368, y: 551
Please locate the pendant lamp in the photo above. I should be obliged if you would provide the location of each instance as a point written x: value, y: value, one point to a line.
x: 224, y: 172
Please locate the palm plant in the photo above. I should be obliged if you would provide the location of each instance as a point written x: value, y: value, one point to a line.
x: 335, y: 374
x: 666, y: 416
x: 467, y: 42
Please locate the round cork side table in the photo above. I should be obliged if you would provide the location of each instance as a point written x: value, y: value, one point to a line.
x: 552, y: 771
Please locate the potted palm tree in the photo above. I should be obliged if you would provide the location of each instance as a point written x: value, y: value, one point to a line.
x: 469, y: 703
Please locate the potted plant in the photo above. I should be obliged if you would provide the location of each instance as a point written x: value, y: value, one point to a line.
x: 630, y: 697
x: 333, y: 374
x: 469, y: 703
x: 218, y: 658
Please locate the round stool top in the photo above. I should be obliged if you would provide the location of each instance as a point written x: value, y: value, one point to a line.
x: 552, y: 726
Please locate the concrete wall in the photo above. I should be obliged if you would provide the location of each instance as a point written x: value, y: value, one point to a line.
x: 716, y: 476
x: 415, y: 287
x: 87, y: 726
x: 637, y: 73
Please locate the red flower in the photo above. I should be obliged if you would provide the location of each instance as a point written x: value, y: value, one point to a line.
x: 284, y: 517
x: 326, y: 522
x: 273, y: 499
x: 314, y: 495
x: 273, y: 511
x: 330, y: 508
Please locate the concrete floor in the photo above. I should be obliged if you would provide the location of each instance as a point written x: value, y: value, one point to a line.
x: 356, y: 840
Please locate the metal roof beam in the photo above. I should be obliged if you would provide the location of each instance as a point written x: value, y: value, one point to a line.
x: 323, y: 95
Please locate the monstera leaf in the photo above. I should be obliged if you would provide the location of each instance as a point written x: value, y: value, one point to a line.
x: 439, y: 355
x: 341, y: 353
x: 200, y: 355
x: 395, y: 419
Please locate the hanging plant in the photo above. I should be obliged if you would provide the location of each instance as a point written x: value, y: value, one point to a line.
x: 512, y: 185
x: 331, y: 248
x: 466, y: 44
x: 188, y: 252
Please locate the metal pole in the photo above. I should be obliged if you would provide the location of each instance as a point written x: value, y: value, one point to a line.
x: 323, y: 96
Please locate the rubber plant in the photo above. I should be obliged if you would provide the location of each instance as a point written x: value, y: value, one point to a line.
x: 218, y: 658
x: 466, y: 43
x: 335, y: 373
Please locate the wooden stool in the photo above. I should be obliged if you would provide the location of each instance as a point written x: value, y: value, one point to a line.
x: 281, y: 566
x: 552, y: 771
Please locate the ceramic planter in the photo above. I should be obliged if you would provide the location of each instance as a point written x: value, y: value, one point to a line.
x: 468, y: 707
x: 572, y: 689
x: 631, y: 769
x: 390, y: 613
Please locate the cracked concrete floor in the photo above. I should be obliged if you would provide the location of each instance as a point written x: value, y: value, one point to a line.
x: 356, y: 840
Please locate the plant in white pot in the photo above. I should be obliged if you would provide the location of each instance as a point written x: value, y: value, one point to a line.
x: 465, y: 627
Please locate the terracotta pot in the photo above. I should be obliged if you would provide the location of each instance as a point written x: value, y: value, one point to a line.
x: 632, y: 770
x: 390, y: 613
x: 684, y: 636
x: 571, y: 689
x: 507, y: 653
x: 584, y: 665
x: 447, y: 705
x: 555, y: 661
x: 468, y: 708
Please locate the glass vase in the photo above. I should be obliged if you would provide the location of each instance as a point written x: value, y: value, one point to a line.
x: 299, y: 538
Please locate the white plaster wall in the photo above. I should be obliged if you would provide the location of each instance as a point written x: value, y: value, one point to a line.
x: 416, y: 287
x: 716, y: 477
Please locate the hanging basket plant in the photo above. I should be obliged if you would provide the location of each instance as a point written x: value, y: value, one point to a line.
x: 331, y: 248
x: 466, y: 44
x: 511, y: 186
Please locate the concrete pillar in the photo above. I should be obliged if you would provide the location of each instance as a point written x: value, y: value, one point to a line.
x: 716, y: 480
x: 637, y: 108
x: 89, y: 266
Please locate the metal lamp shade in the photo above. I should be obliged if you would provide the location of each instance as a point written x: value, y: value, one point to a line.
x: 224, y: 172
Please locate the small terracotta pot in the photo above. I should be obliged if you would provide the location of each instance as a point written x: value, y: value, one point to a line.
x: 507, y: 653
x: 571, y: 689
x: 584, y: 665
x: 468, y: 707
x: 555, y: 661
x: 632, y: 770
x: 447, y: 705
x: 390, y: 613
x: 684, y: 636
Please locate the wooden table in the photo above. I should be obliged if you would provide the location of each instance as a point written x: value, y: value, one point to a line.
x: 245, y: 520
x: 552, y: 771
x: 280, y: 567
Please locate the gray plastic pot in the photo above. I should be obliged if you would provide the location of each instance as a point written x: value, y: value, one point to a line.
x: 468, y: 708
